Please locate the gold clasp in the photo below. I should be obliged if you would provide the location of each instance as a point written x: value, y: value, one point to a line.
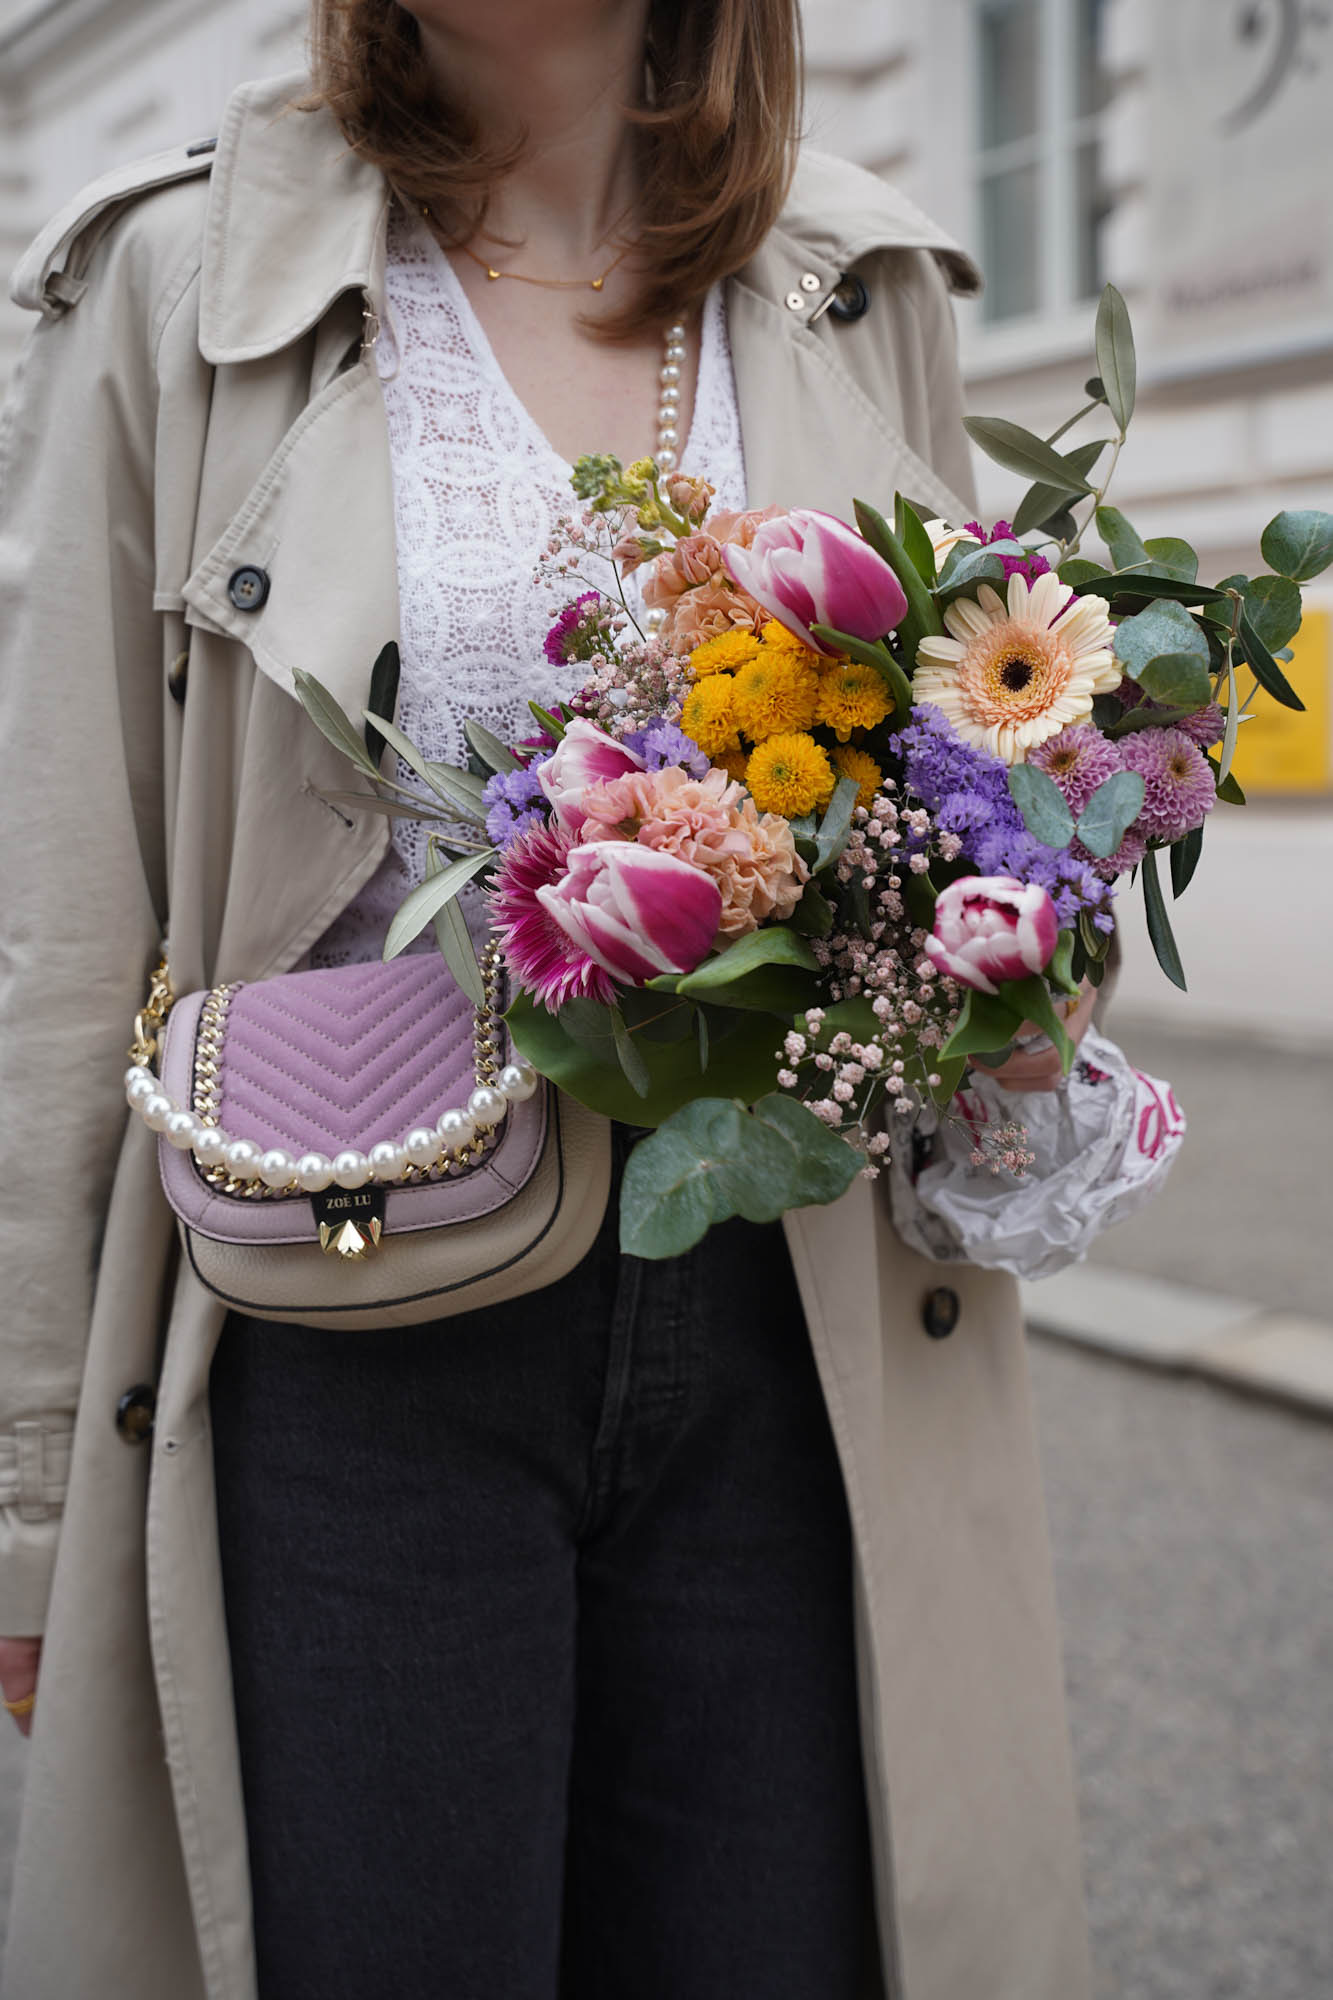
x: 149, y: 1022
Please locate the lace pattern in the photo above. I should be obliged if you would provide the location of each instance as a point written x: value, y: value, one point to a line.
x: 478, y: 490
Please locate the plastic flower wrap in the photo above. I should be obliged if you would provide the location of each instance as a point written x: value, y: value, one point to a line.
x: 831, y: 813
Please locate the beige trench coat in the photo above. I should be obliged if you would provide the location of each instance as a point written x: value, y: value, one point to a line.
x: 198, y: 396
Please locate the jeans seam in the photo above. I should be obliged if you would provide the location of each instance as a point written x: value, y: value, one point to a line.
x: 608, y: 1440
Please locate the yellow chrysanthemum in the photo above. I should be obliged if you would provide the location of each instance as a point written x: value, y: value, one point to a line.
x: 852, y: 763
x: 852, y: 696
x: 723, y: 653
x: 775, y: 692
x: 709, y: 715
x: 733, y: 762
x: 776, y: 635
x: 790, y: 774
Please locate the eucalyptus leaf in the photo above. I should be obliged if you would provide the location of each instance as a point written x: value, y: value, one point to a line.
x: 1110, y: 812
x: 1082, y: 574
x: 1117, y: 368
x: 430, y: 896
x: 489, y: 747
x: 1159, y: 923
x: 1178, y: 679
x: 1273, y: 607
x: 332, y: 721
x: 1174, y: 558
x: 1045, y: 811
x: 1021, y: 451
x: 1166, y: 653
x: 1122, y: 540
x: 1299, y: 543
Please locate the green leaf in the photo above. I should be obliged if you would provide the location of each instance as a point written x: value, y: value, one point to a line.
x: 403, y: 747
x: 631, y: 1062
x: 813, y: 915
x: 1273, y: 607
x: 877, y: 656
x: 713, y: 1160
x: 489, y: 748
x: 1111, y: 810
x: 1266, y: 669
x: 1020, y: 451
x: 917, y: 543
x: 836, y: 823
x: 1166, y: 653
x: 451, y: 937
x: 1173, y: 558
x: 1062, y: 963
x: 1040, y: 503
x: 1116, y: 364
x: 1134, y: 586
x: 986, y: 1025
x: 1095, y: 943
x: 1299, y: 543
x: 950, y: 1074
x: 772, y: 970
x: 332, y: 721
x: 1185, y: 859
x: 430, y: 896
x: 1081, y: 574
x: 964, y: 571
x: 1042, y: 804
x: 741, y: 1051
x: 462, y: 789
x: 922, y: 617
x: 1033, y: 997
x: 383, y: 694
x: 1127, y: 551
x: 552, y: 724
x: 420, y: 809
x: 1159, y: 924
x: 1227, y: 788
x: 1231, y: 726
x: 1133, y: 720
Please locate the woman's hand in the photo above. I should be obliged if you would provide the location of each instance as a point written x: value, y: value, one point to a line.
x: 19, y: 1660
x: 1038, y: 1068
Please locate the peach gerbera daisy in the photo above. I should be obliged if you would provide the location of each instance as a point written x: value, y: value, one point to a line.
x: 1011, y: 674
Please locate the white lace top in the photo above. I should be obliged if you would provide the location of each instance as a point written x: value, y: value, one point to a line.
x: 478, y: 490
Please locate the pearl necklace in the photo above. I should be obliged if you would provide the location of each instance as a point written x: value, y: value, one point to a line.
x: 668, y: 416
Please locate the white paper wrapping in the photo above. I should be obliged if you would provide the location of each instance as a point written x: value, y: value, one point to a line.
x: 1104, y: 1141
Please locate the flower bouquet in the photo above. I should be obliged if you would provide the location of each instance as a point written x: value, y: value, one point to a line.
x: 831, y: 813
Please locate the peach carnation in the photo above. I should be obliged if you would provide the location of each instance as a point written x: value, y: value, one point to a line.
x: 711, y: 823
x: 690, y: 582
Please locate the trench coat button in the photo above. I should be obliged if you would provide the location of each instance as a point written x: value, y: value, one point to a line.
x: 797, y: 302
x: 850, y: 298
x: 248, y: 587
x: 135, y: 1413
x: 178, y: 673
x: 939, y: 1312
x: 810, y: 281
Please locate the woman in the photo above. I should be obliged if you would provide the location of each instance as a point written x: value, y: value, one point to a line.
x: 551, y: 1647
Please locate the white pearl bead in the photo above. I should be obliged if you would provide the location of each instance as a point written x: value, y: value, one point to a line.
x: 517, y: 1081
x: 675, y: 352
x: 676, y: 332
x: 277, y: 1168
x: 181, y: 1130
x: 243, y: 1158
x: 136, y: 1077
x: 387, y: 1160
x: 670, y: 394
x: 313, y: 1172
x: 666, y: 460
x: 456, y: 1129
x: 351, y: 1169
x: 139, y: 1090
x: 486, y: 1105
x: 210, y: 1146
x: 655, y: 619
x: 669, y: 372
x: 667, y: 414
x: 422, y: 1146
x: 667, y: 436
x: 156, y: 1110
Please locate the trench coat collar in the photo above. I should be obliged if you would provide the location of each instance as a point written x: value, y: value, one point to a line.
x: 296, y: 218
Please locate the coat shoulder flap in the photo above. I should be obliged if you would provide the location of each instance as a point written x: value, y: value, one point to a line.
x: 843, y: 213
x: 50, y: 276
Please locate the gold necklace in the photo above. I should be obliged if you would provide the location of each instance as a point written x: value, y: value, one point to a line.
x: 547, y: 284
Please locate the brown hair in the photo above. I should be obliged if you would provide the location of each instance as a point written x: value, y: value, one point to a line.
x: 717, y: 134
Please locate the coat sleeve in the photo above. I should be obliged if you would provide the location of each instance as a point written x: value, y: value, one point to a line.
x: 80, y: 813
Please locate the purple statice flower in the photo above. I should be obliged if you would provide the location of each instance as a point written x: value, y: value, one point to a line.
x: 660, y: 743
x: 579, y: 623
x: 516, y: 802
x: 1179, y: 790
x: 1079, y: 759
x: 1031, y: 566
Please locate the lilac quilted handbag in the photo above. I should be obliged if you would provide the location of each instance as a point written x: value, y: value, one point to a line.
x: 357, y: 1147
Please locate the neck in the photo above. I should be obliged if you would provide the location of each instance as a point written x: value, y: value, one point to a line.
x: 558, y: 88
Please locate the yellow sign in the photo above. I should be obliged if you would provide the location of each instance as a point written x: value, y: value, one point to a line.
x: 1280, y: 749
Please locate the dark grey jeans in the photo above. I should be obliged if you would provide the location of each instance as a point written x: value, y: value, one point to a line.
x: 541, y: 1631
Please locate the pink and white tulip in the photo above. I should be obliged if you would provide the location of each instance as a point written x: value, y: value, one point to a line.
x: 989, y: 928
x: 807, y: 568
x: 633, y: 910
x: 586, y: 756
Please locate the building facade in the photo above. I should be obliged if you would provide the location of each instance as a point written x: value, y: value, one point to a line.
x: 1182, y: 151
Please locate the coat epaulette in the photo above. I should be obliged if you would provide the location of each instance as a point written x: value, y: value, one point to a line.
x: 49, y: 276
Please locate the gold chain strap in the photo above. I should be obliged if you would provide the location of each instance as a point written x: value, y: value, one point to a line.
x: 151, y: 1019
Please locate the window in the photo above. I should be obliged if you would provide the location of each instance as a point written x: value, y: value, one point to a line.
x: 1040, y: 93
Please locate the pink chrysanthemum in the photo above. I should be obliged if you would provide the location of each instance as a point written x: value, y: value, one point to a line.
x: 1079, y: 759
x: 543, y: 958
x: 1178, y: 780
